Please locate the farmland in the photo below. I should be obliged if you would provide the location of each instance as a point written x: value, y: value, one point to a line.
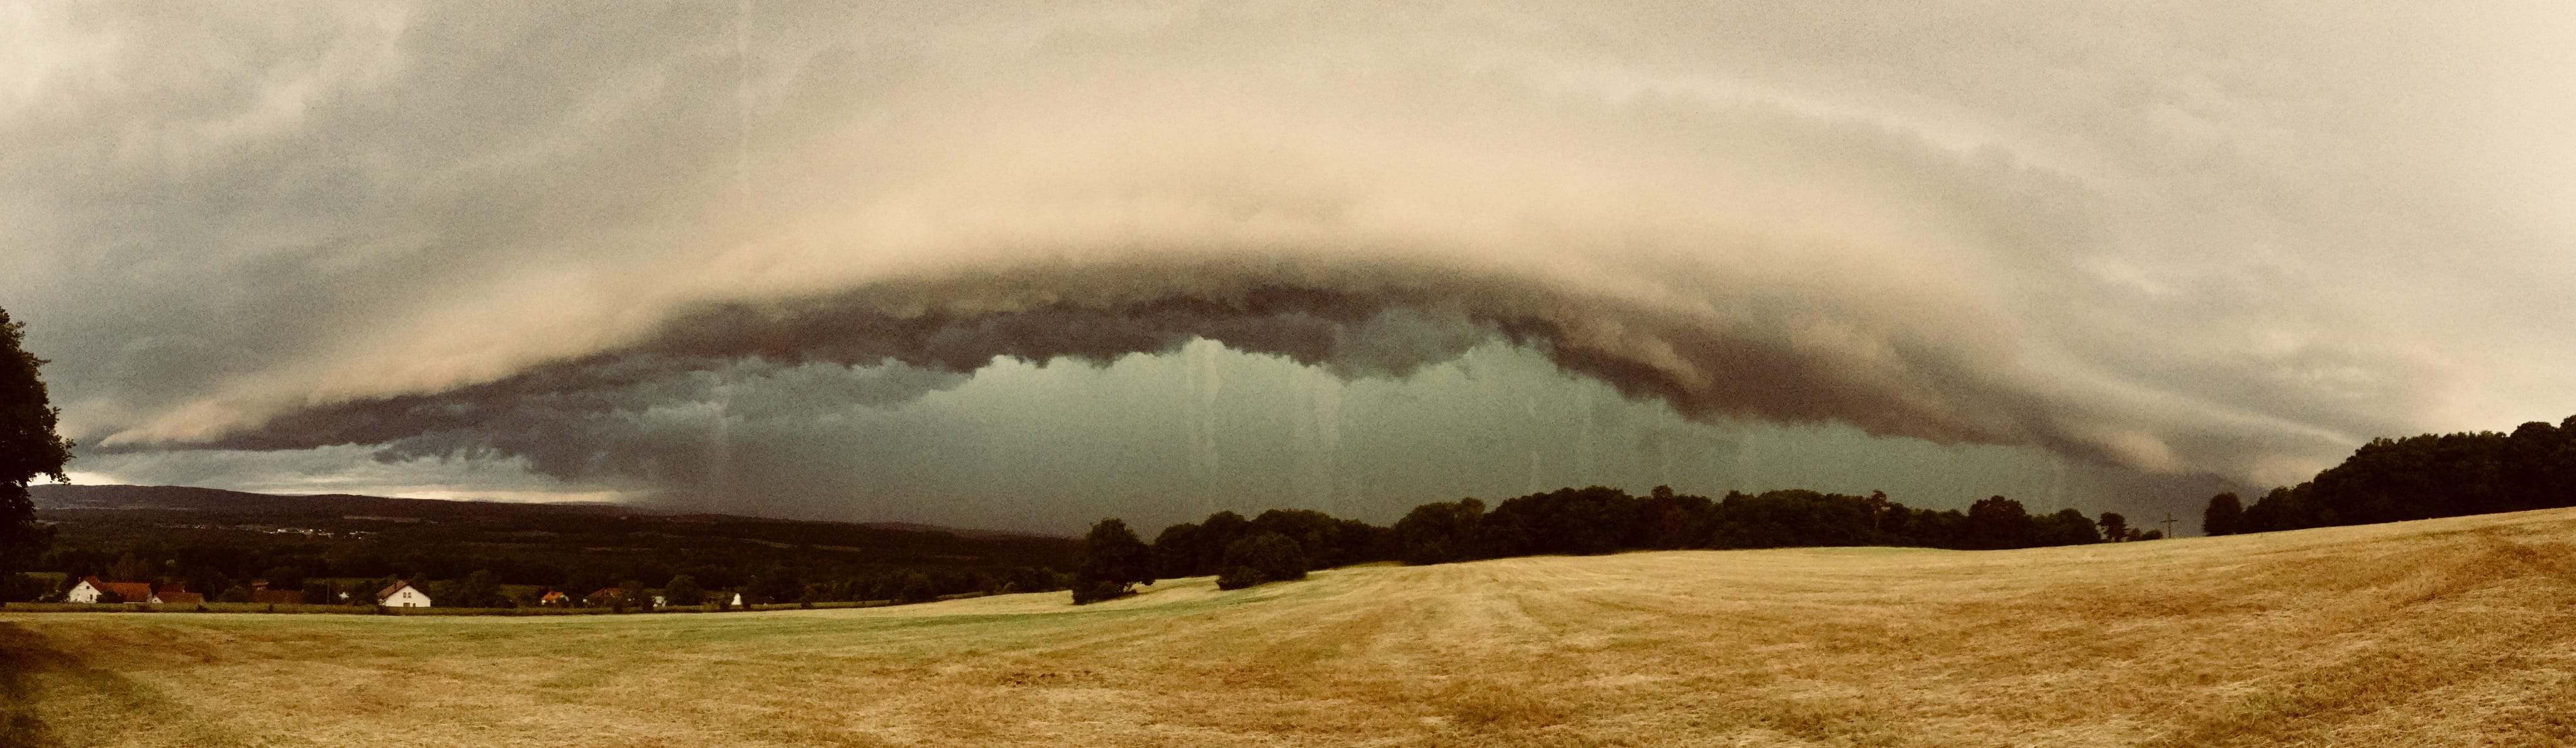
x: 2438, y: 632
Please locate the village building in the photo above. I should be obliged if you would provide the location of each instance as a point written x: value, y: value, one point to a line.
x: 171, y: 594
x: 89, y: 589
x: 556, y: 599
x: 402, y: 595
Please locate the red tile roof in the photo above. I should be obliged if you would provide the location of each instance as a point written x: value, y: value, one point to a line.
x: 172, y: 594
x: 133, y: 592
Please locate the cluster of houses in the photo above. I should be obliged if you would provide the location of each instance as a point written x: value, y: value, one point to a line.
x: 397, y: 595
x: 91, y: 590
x: 607, y: 596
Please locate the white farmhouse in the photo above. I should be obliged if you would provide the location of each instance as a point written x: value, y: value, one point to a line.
x: 402, y: 595
x: 89, y: 589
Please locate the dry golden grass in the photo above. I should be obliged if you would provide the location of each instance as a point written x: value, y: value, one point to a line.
x: 2447, y: 632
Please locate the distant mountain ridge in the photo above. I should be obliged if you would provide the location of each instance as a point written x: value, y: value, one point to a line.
x: 53, y: 498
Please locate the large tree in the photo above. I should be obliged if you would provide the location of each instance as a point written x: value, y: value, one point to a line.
x: 1261, y: 557
x: 1113, y: 560
x: 28, y: 448
x: 1997, y: 522
x: 1440, y: 532
x: 684, y: 590
x: 2115, y: 528
x: 2223, y: 516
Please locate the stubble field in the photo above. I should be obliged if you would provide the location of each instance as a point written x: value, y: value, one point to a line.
x: 2444, y: 632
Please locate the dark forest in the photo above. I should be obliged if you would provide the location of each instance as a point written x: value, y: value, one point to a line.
x: 2418, y: 477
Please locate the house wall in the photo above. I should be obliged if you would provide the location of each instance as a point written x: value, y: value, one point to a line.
x: 407, y: 598
x: 82, y: 593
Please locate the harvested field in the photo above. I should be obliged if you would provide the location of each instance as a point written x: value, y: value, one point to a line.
x: 2444, y: 632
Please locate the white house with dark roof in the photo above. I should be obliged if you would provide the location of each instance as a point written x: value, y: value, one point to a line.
x: 402, y: 595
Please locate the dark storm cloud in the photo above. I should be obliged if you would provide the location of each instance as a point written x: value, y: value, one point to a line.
x: 1778, y: 357
x: 2232, y: 239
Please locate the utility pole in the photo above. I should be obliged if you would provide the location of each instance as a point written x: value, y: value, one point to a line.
x: 2169, y: 522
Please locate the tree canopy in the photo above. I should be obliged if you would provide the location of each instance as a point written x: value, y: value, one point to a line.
x: 684, y: 590
x: 1113, y: 561
x: 2224, y: 512
x: 2419, y: 477
x: 29, y: 448
x: 1261, y: 557
x: 1594, y: 520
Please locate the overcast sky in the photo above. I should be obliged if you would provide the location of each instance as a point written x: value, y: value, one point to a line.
x: 1026, y: 265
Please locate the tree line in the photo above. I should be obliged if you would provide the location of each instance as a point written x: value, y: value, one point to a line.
x: 1283, y: 544
x: 2418, y: 477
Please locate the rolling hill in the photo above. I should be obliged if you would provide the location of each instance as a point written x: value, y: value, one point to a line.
x: 575, y: 546
x: 2438, y: 632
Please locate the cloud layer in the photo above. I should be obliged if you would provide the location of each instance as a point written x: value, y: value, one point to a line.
x: 2232, y: 239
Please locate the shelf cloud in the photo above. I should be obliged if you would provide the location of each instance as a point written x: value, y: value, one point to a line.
x: 2232, y: 240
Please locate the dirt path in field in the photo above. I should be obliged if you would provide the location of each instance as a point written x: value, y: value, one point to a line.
x: 2446, y: 632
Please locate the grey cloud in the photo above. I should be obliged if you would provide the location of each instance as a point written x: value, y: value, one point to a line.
x: 2231, y: 239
